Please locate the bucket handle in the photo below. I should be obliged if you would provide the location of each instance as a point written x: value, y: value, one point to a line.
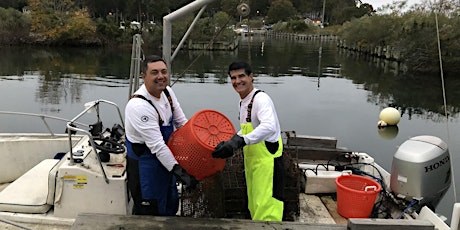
x: 367, y: 188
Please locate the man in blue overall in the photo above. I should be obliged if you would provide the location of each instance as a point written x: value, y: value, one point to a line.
x: 260, y: 138
x: 150, y: 118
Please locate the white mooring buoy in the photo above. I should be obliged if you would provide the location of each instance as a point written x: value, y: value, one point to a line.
x: 389, y: 116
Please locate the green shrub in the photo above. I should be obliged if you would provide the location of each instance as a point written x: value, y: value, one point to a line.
x: 14, y: 26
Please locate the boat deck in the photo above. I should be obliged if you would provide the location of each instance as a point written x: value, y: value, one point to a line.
x: 319, y: 210
x: 316, y: 213
x: 91, y: 221
x: 88, y: 221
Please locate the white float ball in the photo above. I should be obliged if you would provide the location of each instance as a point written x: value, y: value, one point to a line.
x: 390, y: 115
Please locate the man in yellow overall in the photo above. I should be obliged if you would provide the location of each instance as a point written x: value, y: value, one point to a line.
x: 260, y: 138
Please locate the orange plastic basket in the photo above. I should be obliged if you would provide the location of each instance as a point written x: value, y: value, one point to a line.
x: 193, y: 143
x: 356, y: 195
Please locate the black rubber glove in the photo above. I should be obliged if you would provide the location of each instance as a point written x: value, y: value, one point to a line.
x: 182, y: 175
x: 226, y: 148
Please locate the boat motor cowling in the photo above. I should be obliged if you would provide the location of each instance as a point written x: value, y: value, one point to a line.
x: 421, y: 170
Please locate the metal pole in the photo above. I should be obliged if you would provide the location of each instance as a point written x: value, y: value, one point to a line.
x: 322, y: 18
x: 181, y: 43
x: 136, y: 59
x: 167, y: 27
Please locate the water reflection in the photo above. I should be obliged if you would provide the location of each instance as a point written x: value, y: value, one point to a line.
x: 62, y: 71
x: 388, y: 132
x: 419, y: 96
x: 53, y: 63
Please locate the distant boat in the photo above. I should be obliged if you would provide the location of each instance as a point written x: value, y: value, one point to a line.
x: 332, y: 71
x: 295, y: 70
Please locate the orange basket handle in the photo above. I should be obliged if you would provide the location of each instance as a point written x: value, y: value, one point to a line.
x: 367, y: 188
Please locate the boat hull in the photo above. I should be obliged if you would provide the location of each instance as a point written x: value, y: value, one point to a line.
x: 21, y: 152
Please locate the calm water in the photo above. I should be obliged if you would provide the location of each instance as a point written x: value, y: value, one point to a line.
x: 59, y: 81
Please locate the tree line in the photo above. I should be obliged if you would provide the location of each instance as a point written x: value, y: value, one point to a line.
x: 410, y: 30
x: 413, y: 33
x: 89, y: 22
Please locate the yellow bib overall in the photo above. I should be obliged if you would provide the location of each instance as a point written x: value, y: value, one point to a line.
x: 259, y: 170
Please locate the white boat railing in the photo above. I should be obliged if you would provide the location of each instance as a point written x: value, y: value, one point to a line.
x: 43, y: 117
x: 71, y: 126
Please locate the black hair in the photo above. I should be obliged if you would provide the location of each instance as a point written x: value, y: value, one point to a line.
x: 150, y: 59
x: 240, y: 65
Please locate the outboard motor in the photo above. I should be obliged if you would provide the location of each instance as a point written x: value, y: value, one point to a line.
x: 421, y: 171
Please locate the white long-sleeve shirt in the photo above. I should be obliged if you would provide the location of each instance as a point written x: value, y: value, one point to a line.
x: 142, y: 123
x: 263, y: 118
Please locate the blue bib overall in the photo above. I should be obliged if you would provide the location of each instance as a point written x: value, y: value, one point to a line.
x: 156, y: 182
x: 154, y: 188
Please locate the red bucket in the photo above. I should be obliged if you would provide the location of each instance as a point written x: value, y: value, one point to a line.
x: 356, y: 195
x: 193, y: 143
